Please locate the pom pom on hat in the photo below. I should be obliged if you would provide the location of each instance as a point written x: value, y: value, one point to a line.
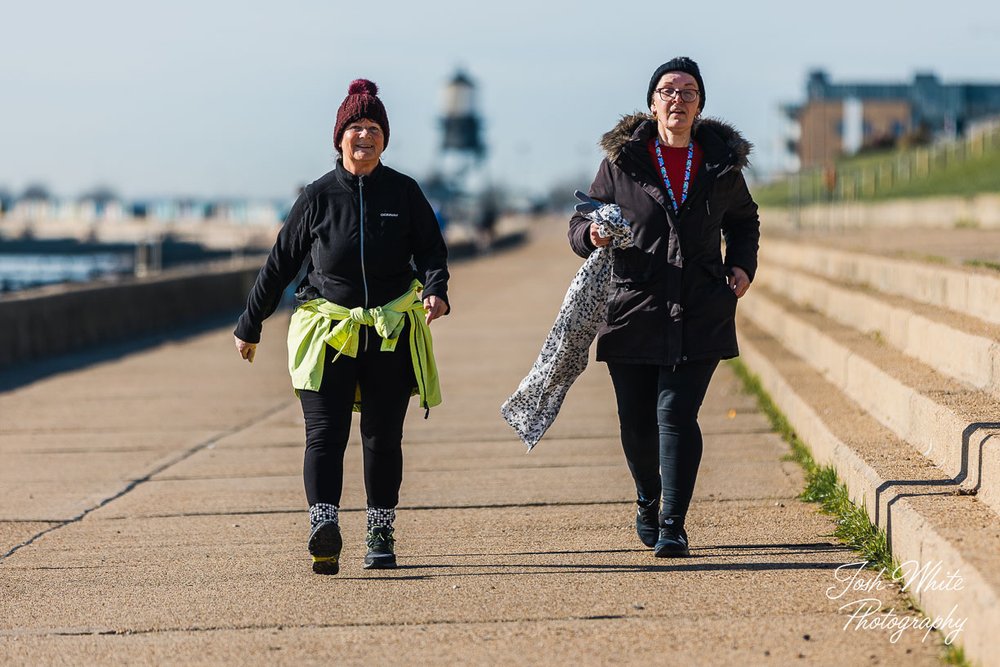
x: 361, y: 102
x: 362, y: 87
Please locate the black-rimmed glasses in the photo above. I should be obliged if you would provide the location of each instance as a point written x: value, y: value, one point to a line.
x: 686, y: 94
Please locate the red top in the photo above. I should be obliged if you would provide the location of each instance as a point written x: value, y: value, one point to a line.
x: 675, y: 160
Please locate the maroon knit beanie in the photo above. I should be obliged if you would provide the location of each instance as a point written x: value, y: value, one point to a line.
x: 361, y: 102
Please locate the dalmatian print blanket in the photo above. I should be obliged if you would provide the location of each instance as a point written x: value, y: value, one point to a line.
x: 534, y: 406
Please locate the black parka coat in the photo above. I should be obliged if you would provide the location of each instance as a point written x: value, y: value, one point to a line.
x: 670, y: 302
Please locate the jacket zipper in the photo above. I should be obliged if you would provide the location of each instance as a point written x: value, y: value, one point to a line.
x: 364, y: 277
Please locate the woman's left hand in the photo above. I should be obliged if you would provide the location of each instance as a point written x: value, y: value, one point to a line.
x: 435, y: 308
x: 246, y: 350
x: 739, y: 281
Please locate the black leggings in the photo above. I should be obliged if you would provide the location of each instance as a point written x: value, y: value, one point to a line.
x: 386, y: 380
x: 658, y: 414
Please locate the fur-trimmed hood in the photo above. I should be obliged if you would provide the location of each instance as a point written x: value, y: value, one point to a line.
x: 717, y: 138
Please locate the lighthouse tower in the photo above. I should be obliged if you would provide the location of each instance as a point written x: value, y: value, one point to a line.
x: 462, y: 149
x: 459, y: 188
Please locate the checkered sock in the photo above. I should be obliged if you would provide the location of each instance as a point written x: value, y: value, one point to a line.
x: 381, y: 517
x: 321, y: 512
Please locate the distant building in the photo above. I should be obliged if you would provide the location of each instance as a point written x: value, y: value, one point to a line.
x: 842, y: 118
x: 36, y: 203
x: 100, y: 204
x: 246, y: 211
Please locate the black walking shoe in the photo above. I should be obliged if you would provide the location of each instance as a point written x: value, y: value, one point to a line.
x: 380, y: 549
x: 673, y: 541
x: 647, y: 522
x: 325, y: 544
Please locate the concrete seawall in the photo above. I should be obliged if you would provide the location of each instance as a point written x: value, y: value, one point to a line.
x: 49, y: 321
x: 982, y: 211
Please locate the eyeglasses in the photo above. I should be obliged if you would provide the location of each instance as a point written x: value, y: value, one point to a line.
x: 373, y: 130
x: 686, y: 94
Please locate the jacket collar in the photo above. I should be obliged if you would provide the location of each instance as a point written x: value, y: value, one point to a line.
x: 722, y: 145
x: 351, y: 181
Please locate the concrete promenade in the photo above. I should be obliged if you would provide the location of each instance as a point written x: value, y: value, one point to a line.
x: 152, y: 512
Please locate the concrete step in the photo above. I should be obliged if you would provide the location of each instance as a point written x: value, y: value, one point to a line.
x: 929, y: 523
x: 959, y: 346
x: 947, y: 421
x: 971, y: 292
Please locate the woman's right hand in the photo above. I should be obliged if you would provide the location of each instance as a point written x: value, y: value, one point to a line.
x: 246, y: 350
x: 596, y: 238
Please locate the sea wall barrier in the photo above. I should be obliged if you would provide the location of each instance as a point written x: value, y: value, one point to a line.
x: 979, y: 211
x: 43, y: 322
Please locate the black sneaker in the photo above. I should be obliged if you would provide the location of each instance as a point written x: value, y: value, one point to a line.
x: 673, y: 541
x: 647, y: 522
x: 380, y: 553
x: 324, y: 545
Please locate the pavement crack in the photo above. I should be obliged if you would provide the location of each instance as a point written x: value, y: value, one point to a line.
x: 191, y: 451
x: 640, y: 615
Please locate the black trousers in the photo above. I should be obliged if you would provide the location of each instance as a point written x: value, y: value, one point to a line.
x: 658, y: 414
x: 386, y: 381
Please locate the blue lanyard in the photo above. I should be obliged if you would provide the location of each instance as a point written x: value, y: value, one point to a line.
x: 666, y: 179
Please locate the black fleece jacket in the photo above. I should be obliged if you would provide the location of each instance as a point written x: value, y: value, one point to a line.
x: 359, y: 235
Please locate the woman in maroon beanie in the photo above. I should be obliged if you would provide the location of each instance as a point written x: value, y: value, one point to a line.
x: 358, y: 339
x: 678, y: 180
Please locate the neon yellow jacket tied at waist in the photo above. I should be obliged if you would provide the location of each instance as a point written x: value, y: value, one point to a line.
x: 309, y: 334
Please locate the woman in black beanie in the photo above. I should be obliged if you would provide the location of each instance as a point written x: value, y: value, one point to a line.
x: 677, y: 178
x: 359, y: 338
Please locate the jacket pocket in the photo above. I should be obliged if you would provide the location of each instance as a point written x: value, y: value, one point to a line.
x: 713, y: 298
x: 632, y: 265
x: 726, y: 300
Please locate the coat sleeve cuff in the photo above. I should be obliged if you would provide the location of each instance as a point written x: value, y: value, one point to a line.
x: 245, y: 331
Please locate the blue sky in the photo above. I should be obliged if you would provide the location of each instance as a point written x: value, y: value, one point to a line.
x: 220, y: 98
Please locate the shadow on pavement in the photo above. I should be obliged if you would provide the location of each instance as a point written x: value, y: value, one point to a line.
x: 19, y: 375
x: 669, y: 565
x: 690, y: 564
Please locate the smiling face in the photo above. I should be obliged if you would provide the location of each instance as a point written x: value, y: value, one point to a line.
x: 362, y: 143
x: 674, y: 114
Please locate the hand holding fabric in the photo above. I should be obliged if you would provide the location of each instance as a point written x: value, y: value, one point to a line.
x: 596, y: 238
x: 533, y: 407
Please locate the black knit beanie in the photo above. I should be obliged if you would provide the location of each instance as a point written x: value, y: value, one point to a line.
x: 361, y: 102
x: 680, y: 64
